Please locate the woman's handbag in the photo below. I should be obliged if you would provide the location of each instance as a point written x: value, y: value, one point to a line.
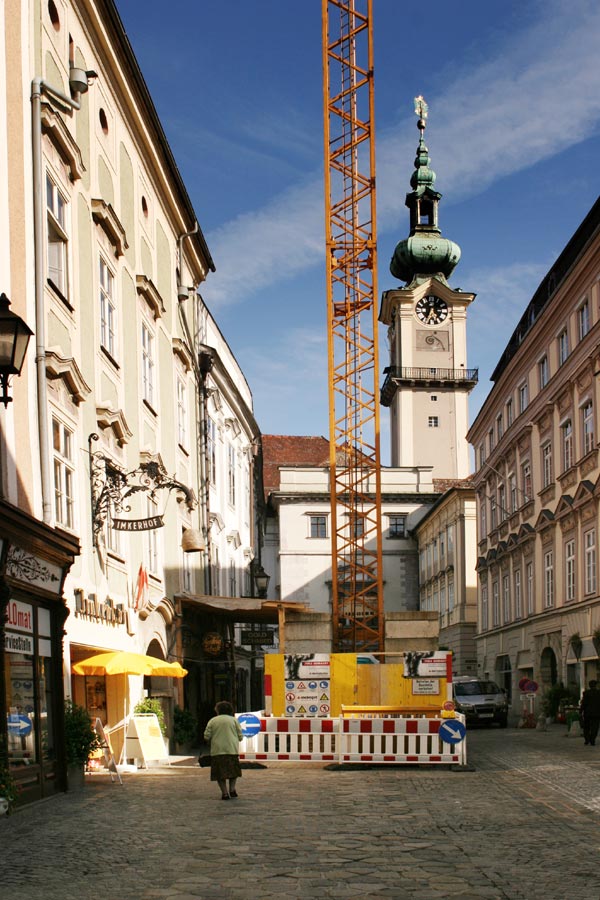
x: 204, y: 760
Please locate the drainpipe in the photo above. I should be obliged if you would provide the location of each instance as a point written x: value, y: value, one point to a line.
x: 79, y: 81
x: 200, y: 372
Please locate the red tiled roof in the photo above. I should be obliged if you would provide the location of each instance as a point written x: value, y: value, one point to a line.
x: 291, y: 450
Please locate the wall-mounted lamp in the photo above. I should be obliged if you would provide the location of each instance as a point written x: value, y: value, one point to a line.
x: 80, y: 80
x: 14, y: 338
x: 261, y: 580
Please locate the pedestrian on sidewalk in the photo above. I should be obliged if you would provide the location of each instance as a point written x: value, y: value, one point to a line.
x: 590, y: 712
x: 224, y: 734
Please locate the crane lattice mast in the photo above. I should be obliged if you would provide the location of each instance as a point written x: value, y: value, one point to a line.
x: 355, y: 473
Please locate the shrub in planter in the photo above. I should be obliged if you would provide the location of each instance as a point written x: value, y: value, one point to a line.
x: 185, y: 726
x: 152, y: 705
x: 80, y: 737
x: 8, y: 791
x: 552, y: 699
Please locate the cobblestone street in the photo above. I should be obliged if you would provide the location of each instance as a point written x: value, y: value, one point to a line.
x: 523, y: 825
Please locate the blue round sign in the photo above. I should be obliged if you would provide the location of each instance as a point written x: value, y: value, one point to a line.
x: 452, y: 731
x: 249, y: 723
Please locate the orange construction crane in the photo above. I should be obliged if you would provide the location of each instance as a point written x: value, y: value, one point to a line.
x: 355, y: 473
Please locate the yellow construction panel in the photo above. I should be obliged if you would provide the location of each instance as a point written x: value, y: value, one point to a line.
x: 275, y: 670
x: 343, y: 681
x: 358, y: 684
x: 369, y: 684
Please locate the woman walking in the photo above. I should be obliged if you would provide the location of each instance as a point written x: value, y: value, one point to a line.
x: 224, y: 734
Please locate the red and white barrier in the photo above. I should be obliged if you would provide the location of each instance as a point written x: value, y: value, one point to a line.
x: 360, y: 740
x: 292, y: 739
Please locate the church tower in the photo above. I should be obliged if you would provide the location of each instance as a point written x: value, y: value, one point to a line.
x: 427, y: 383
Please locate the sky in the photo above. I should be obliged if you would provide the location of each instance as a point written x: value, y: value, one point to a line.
x: 513, y: 133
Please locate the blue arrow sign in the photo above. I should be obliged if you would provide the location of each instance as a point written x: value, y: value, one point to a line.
x: 452, y: 731
x: 19, y: 725
x: 249, y: 723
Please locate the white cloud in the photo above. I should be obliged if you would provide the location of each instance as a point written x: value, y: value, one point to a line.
x: 540, y: 93
x: 294, y: 372
x: 503, y: 295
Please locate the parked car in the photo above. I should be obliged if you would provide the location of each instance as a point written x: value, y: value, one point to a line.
x: 481, y: 701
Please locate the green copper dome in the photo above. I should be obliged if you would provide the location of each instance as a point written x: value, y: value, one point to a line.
x: 424, y: 252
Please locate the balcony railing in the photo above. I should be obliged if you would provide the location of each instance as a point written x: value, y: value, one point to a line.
x: 425, y: 376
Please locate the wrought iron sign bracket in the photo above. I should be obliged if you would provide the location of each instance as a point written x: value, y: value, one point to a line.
x: 111, y: 489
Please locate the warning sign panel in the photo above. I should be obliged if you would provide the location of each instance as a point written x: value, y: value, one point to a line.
x: 307, y: 666
x: 426, y: 663
x: 307, y: 699
x: 426, y: 686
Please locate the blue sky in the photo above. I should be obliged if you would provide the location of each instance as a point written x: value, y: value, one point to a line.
x: 513, y: 132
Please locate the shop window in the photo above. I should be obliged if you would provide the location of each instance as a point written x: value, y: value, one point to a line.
x: 30, y: 698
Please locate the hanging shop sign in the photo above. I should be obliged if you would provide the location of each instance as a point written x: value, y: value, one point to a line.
x: 212, y: 643
x: 262, y: 638
x: 137, y: 524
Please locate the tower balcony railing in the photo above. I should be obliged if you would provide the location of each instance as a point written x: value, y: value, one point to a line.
x: 425, y: 376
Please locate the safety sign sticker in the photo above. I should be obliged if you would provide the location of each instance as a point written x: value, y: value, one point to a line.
x: 310, y: 698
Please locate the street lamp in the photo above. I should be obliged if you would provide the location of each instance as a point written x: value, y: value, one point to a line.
x: 261, y: 580
x: 14, y: 338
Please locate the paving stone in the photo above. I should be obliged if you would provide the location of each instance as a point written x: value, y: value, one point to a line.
x: 524, y: 824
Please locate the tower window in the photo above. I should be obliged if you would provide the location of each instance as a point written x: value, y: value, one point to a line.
x: 433, y: 422
x: 434, y: 398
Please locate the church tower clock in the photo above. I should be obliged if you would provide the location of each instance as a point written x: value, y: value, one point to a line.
x: 427, y: 383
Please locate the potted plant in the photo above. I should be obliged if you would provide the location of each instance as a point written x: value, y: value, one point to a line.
x: 551, y: 701
x: 152, y: 705
x: 8, y: 791
x: 185, y: 728
x: 80, y: 740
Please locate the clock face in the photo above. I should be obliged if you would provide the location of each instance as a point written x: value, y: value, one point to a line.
x: 431, y: 310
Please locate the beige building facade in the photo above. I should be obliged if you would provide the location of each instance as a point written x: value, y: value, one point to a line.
x: 537, y: 475
x: 447, y: 540
x: 109, y: 463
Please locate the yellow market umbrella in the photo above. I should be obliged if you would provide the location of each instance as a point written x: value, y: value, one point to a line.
x: 121, y: 662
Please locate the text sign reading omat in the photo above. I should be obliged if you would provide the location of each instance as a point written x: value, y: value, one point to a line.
x: 20, y: 616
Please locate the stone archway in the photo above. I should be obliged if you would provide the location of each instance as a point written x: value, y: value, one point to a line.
x: 548, y: 668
